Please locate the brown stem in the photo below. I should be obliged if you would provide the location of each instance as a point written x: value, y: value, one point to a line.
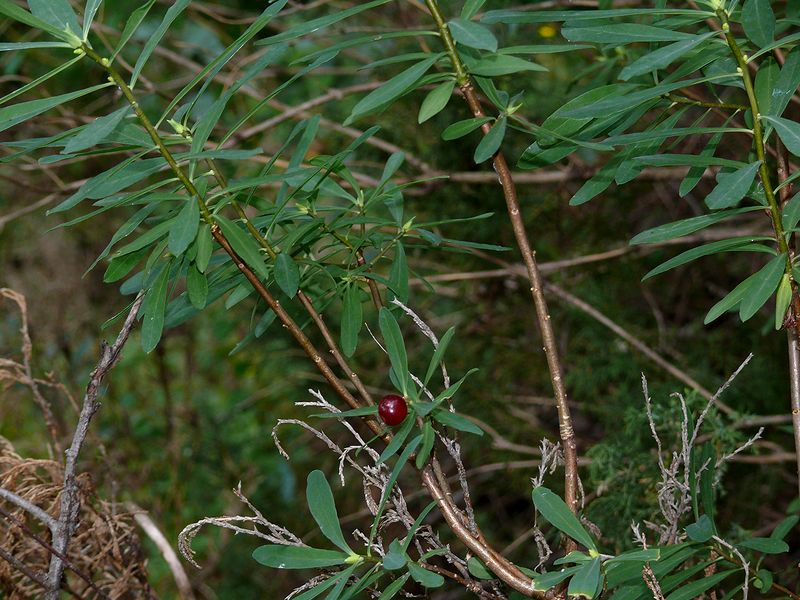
x: 566, y: 431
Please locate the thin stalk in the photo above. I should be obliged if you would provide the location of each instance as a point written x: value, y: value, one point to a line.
x: 777, y: 225
x: 566, y: 431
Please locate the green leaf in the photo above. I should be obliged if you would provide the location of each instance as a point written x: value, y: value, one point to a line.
x: 478, y: 569
x: 491, y: 142
x: 730, y: 245
x: 352, y: 319
x: 175, y: 9
x: 758, y: 21
x: 320, y: 23
x: 13, y: 11
x: 762, y: 285
x: 398, y: 467
x: 320, y: 502
x: 92, y: 6
x: 663, y: 57
x: 428, y: 439
x: 120, y: 266
x: 436, y: 100
x: 56, y: 12
x: 397, y: 440
x: 702, y: 530
x: 153, y: 308
x: 393, y: 588
x: 546, y: 581
x: 732, y: 187
x: 787, y: 84
x: 21, y: 112
x: 461, y: 128
x: 695, y: 173
x: 696, y: 588
x: 131, y: 25
x: 96, y: 131
x: 395, y: 346
x: 622, y: 33
x: 783, y: 528
x: 424, y: 577
x: 496, y: 65
x: 552, y: 16
x: 729, y: 302
x: 205, y: 247
x: 456, y: 421
x: 586, y: 580
x: 245, y: 246
x: 636, y: 556
x: 398, y: 275
x: 789, y: 132
x: 391, y: 89
x: 763, y: 580
x: 766, y: 80
x: 558, y: 514
x: 184, y: 228
x: 287, y: 274
x: 677, y: 229
x: 782, y: 300
x: 438, y: 354
x: 395, y: 559
x: 298, y: 557
x: 356, y: 412
x: 471, y: 8
x: 197, y: 287
x: 473, y: 35
x: 768, y: 545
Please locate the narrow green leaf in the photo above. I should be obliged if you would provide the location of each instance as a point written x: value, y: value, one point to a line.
x: 245, y: 246
x: 172, y: 13
x: 730, y: 245
x: 622, y: 33
x: 729, y: 302
x: 663, y: 57
x: 787, y: 84
x: 21, y: 112
x: 677, y: 229
x: 636, y: 556
x: 321, y: 504
x: 16, y: 46
x: 398, y: 274
x: 92, y: 6
x: 546, y: 581
x: 96, y: 131
x: 783, y: 528
x: 732, y: 187
x: 120, y: 266
x: 695, y: 173
x: 298, y: 557
x: 424, y: 577
x: 436, y: 100
x: 395, y: 559
x: 471, y: 8
x: 197, y: 287
x: 352, y: 319
x: 393, y: 588
x: 461, y: 128
x: 496, y: 65
x: 696, y: 588
x: 438, y: 354
x: 153, y: 308
x: 131, y: 25
x: 56, y: 12
x: 184, y: 228
x: 473, y: 35
x: 15, y: 12
x: 397, y: 440
x: 552, y: 16
x: 287, y: 274
x: 356, y: 412
x: 768, y: 545
x: 395, y: 346
x: 398, y: 466
x: 585, y: 581
x: 491, y: 142
x: 763, y: 284
x: 766, y: 80
x: 782, y: 300
x: 789, y: 132
x: 478, y: 569
x: 205, y: 247
x: 319, y: 23
x: 758, y: 21
x: 391, y: 89
x: 558, y: 514
x: 428, y: 439
x: 456, y: 421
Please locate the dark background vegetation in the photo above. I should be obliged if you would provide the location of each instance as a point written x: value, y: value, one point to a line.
x: 183, y: 425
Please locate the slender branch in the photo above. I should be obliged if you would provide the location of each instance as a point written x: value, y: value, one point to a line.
x: 30, y: 508
x: 566, y: 431
x: 70, y: 503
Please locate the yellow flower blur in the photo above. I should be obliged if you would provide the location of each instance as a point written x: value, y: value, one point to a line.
x: 547, y: 31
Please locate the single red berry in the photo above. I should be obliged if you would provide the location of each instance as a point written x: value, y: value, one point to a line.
x: 392, y: 409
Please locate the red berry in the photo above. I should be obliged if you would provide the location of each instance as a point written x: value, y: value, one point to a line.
x: 392, y: 409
